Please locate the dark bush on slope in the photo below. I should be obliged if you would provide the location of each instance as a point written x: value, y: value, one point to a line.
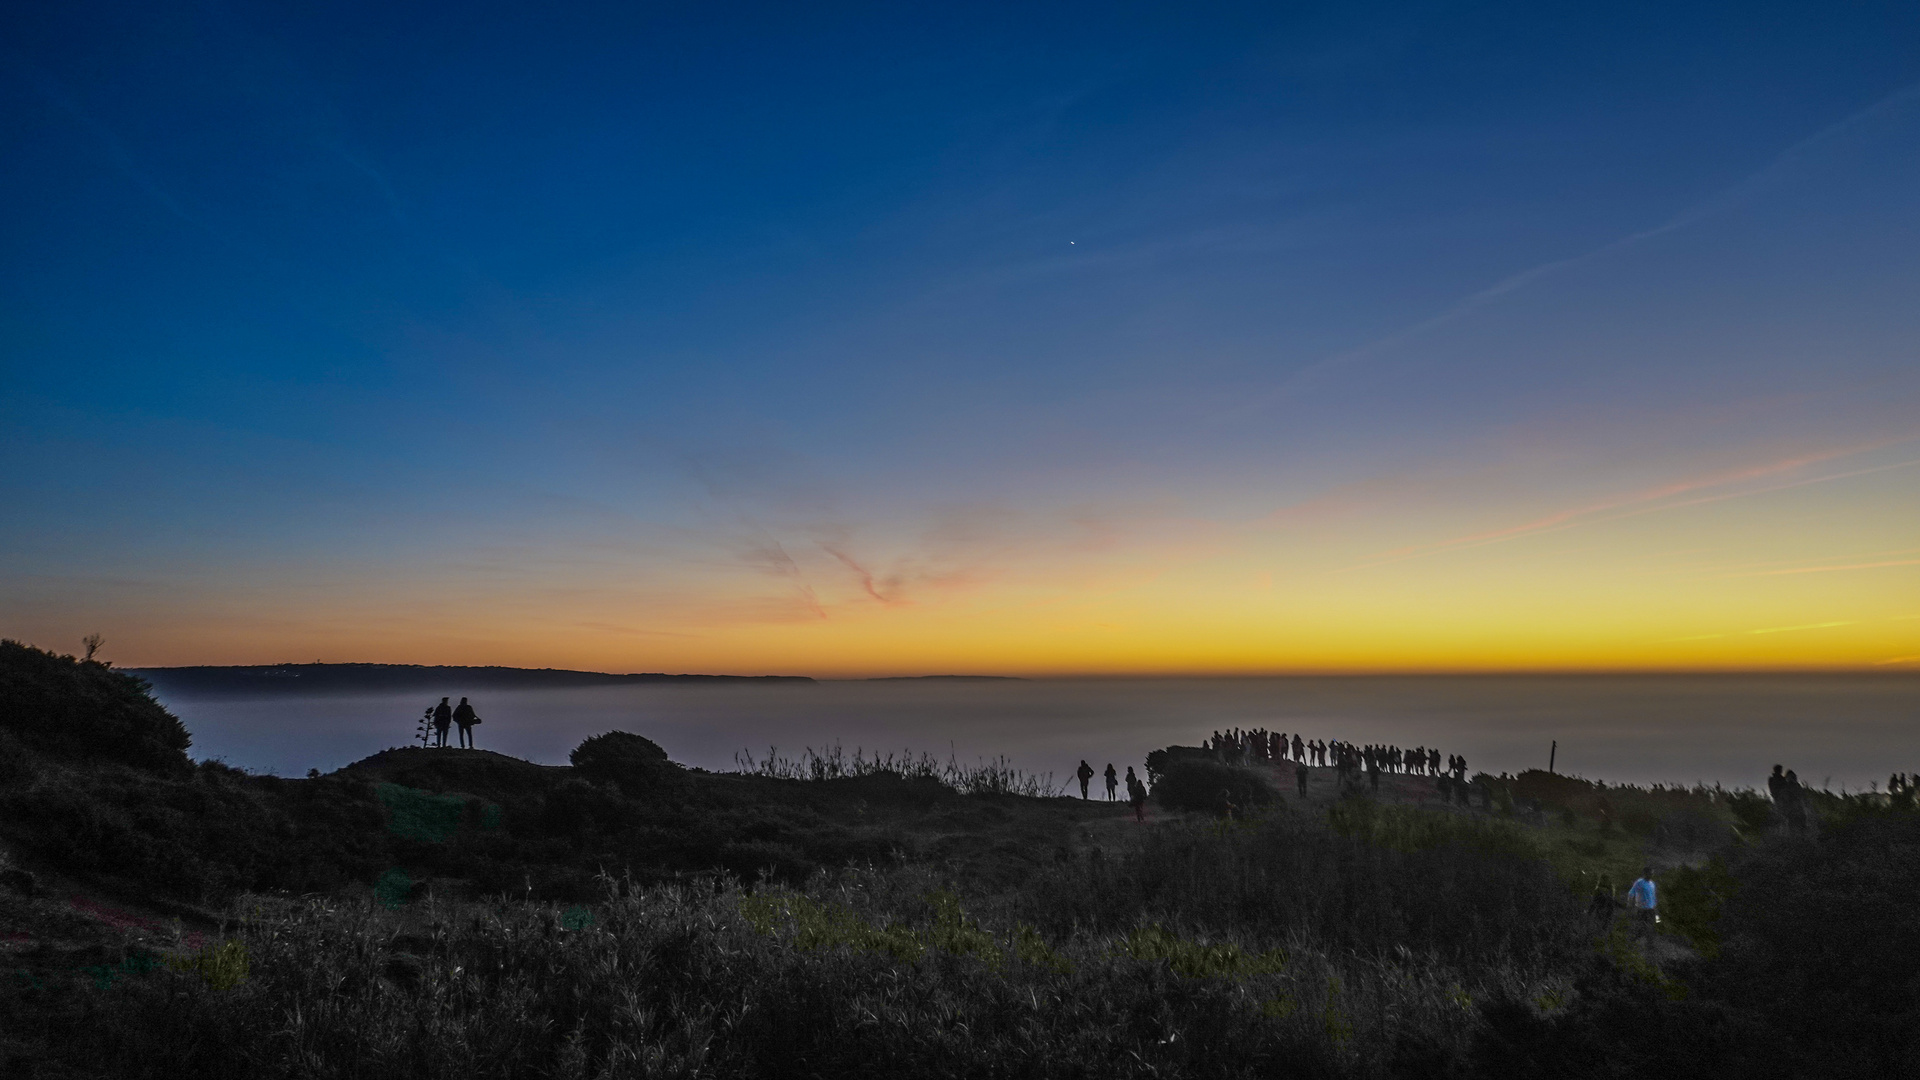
x: 1205, y: 786
x: 86, y: 711
x: 636, y: 763
x: 1379, y: 879
x: 1819, y: 938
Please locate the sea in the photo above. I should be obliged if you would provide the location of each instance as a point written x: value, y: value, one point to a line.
x: 1841, y: 731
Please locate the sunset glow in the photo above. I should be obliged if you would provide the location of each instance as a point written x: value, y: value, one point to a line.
x: 1165, y: 344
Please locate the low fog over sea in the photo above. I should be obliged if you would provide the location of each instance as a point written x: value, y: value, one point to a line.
x: 1833, y: 729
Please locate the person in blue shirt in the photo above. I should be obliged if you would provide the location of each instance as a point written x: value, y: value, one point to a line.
x: 1644, y: 899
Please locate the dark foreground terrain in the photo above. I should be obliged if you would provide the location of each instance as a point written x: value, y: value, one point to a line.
x: 463, y: 914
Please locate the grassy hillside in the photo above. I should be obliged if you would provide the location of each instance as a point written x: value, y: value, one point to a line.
x: 462, y: 913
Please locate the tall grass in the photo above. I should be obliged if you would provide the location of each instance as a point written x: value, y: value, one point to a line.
x: 852, y: 978
x: 996, y: 777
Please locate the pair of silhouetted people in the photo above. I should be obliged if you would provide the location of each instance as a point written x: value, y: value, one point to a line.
x: 1136, y: 795
x: 446, y: 716
x: 1789, y: 798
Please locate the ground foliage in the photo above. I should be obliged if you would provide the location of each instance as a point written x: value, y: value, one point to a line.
x: 83, y: 709
x: 450, y: 913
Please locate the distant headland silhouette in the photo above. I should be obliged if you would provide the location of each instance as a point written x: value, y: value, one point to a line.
x: 307, y: 679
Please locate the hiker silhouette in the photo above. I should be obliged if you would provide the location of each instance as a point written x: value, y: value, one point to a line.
x: 1113, y: 782
x: 1085, y: 773
x: 442, y: 719
x: 1137, y: 795
x: 464, y: 716
x: 1796, y: 807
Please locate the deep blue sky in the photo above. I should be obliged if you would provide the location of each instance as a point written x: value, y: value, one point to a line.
x: 639, y: 337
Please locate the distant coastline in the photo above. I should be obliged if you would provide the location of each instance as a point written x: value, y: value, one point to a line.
x: 308, y: 679
x: 945, y: 678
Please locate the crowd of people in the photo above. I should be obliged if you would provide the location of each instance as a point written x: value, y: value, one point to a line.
x: 1263, y: 746
x: 1352, y: 760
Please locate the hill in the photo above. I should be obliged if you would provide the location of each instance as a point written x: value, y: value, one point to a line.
x: 269, y: 679
x: 446, y: 912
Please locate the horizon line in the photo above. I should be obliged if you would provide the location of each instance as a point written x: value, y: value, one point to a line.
x: 1881, y: 668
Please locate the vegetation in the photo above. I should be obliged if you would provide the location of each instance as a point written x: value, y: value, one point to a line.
x: 459, y: 913
x: 84, y: 710
x: 996, y: 777
x: 1209, y: 787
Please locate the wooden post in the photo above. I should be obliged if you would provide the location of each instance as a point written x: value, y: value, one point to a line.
x: 1551, y: 754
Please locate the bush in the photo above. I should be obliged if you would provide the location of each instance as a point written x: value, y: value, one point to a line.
x: 80, y: 709
x: 637, y: 764
x: 1691, y: 899
x: 1192, y: 784
x: 1818, y: 939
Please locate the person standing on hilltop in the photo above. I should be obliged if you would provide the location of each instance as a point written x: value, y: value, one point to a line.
x: 1137, y: 795
x: 1113, y: 782
x: 1644, y: 899
x: 1777, y: 791
x: 464, y: 716
x: 442, y: 720
x: 1796, y: 807
x: 1085, y: 773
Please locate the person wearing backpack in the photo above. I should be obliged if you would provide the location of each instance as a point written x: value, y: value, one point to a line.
x: 464, y: 716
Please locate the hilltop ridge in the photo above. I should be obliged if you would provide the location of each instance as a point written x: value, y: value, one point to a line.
x: 318, y: 678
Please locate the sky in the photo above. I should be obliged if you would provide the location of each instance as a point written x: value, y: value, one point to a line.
x: 855, y: 340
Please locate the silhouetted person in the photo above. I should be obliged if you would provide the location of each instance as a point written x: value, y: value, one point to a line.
x: 1085, y: 773
x: 1776, y: 790
x: 1137, y: 795
x: 464, y: 716
x: 1113, y: 782
x: 442, y: 720
x: 1601, y: 907
x: 1645, y: 902
x: 1796, y: 808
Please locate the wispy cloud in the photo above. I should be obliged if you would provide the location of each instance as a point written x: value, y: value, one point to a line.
x: 864, y: 575
x: 1760, y: 630
x: 1831, y: 569
x: 1669, y: 496
x: 1802, y: 626
x: 1720, y: 202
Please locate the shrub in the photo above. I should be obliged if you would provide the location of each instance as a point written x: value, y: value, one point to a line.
x: 1818, y: 939
x: 1194, y: 784
x: 1691, y: 899
x: 81, y: 709
x: 637, y: 764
